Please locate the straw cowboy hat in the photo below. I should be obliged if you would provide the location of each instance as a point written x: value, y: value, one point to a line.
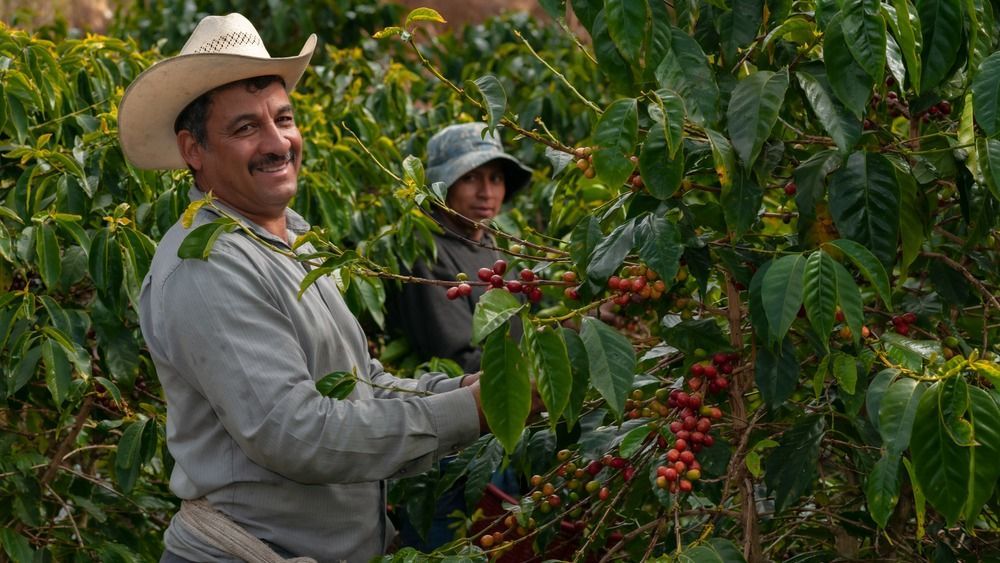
x: 221, y: 49
x: 458, y: 149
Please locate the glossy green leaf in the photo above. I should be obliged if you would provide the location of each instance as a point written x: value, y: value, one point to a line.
x: 875, y: 393
x: 48, y: 256
x: 864, y: 203
x: 985, y: 416
x: 16, y: 546
x: 906, y: 29
x: 897, y: 411
x: 864, y: 33
x: 628, y: 22
x: 661, y: 171
x: 790, y: 468
x: 493, y: 96
x: 668, y: 110
x: 584, y: 238
x: 882, y: 488
x: 753, y: 111
x: 820, y: 294
x: 413, y: 175
x: 580, y: 367
x: 632, y: 441
x: 610, y: 60
x: 919, y: 500
x: 611, y: 362
x: 953, y: 401
x: 505, y: 388
x: 911, y: 222
x: 777, y: 373
x: 941, y: 466
x: 848, y: 79
x: 782, y: 294
x: 58, y: 373
x: 423, y: 15
x: 986, y: 95
x: 615, y: 136
x: 684, y: 69
x: 989, y: 159
x: 339, y: 384
x: 758, y: 317
x: 941, y: 30
x: 660, y: 246
x: 135, y: 447
x: 494, y: 309
x: 550, y: 362
x: 610, y: 253
x: 198, y: 243
x: 845, y: 371
x: 105, y: 260
x: 849, y: 299
x: 70, y: 224
x: 843, y: 126
x: 869, y: 266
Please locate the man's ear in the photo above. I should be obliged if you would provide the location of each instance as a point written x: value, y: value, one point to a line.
x: 191, y: 150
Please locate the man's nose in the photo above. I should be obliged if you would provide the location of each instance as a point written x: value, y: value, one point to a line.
x: 274, y: 140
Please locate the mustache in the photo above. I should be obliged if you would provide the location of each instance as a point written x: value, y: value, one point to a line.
x: 272, y: 159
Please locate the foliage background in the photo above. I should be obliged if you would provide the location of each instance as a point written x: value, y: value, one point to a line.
x: 725, y: 104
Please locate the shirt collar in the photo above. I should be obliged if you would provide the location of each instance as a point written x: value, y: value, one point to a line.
x: 294, y: 223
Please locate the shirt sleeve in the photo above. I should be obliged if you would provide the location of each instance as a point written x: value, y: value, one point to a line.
x: 226, y: 332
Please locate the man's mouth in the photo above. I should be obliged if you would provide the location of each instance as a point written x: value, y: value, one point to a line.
x: 272, y: 163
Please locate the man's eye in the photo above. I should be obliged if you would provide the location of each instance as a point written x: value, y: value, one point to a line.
x: 286, y: 120
x: 245, y: 128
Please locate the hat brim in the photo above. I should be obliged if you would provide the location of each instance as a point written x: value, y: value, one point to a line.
x: 156, y: 97
x: 516, y: 175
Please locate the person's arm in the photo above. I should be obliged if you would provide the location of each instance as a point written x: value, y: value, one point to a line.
x: 225, y: 330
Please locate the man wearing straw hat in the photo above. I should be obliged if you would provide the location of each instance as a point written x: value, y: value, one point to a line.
x: 266, y: 466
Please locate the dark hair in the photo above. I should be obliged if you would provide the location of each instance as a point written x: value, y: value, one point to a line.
x: 194, y: 115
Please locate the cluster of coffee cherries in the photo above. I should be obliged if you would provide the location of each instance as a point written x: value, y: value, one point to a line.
x: 691, y: 432
x: 526, y: 284
x: 713, y: 374
x: 584, y: 161
x: 901, y: 323
x: 636, y: 284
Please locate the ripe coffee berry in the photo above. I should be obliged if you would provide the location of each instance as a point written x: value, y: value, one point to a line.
x: 452, y: 292
x: 514, y: 286
x: 790, y: 188
x: 496, y: 281
x: 527, y: 275
x: 485, y: 274
x: 499, y: 267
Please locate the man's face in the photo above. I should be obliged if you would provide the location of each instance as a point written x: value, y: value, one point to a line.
x: 252, y: 152
x: 479, y: 193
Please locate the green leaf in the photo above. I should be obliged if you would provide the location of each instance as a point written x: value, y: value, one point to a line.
x: 882, y: 488
x: 820, y: 294
x: 849, y: 299
x: 911, y: 221
x: 550, y: 360
x: 660, y: 246
x: 494, y: 309
x: 941, y: 466
x: 632, y: 440
x: 48, y: 256
x: 715, y: 550
x: 609, y: 58
x: 58, y: 374
x: 584, y: 239
x: 423, y: 15
x: 581, y: 375
x: 897, y: 412
x: 985, y: 416
x: 989, y: 159
x: 776, y: 375
x: 413, y: 173
x: 685, y: 70
x: 864, y: 203
x: 869, y: 266
x: 782, y: 294
x: 628, y: 24
x: 850, y: 83
x: 387, y: 32
x: 668, y: 110
x: 919, y: 500
x: 493, y: 96
x: 610, y: 253
x: 941, y: 28
x: 906, y: 30
x: 16, y: 546
x: 758, y: 317
x: 133, y: 452
x: 845, y: 371
x: 741, y: 203
x: 953, y: 401
x: 986, y: 95
x: 615, y: 136
x: 843, y: 126
x: 661, y: 171
x: 753, y: 111
x: 876, y: 393
x: 339, y: 384
x: 105, y: 257
x: 864, y: 32
x: 790, y: 468
x: 198, y: 243
x: 723, y: 157
x: 506, y: 388
x: 187, y: 218
x: 611, y: 362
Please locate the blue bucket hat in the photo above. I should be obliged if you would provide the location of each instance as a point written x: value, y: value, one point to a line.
x: 459, y: 149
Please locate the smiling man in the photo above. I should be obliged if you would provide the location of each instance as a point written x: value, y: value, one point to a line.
x: 266, y: 465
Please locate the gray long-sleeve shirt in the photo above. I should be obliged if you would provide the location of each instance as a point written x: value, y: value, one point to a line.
x: 238, y: 355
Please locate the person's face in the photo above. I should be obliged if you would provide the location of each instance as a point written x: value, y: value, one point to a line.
x: 252, y: 152
x: 479, y: 193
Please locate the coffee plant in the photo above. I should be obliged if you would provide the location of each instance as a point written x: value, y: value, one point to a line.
x: 756, y: 276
